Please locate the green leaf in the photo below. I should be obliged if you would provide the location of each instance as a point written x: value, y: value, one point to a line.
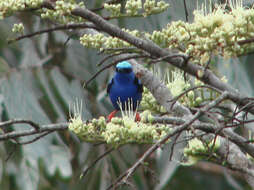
x: 48, y: 91
x: 30, y: 57
x: 236, y: 73
x: 59, y: 160
x: 71, y: 92
x: 28, y: 177
x: 166, y: 167
x: 20, y: 98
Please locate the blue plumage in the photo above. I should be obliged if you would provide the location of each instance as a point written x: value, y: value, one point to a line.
x: 124, y: 85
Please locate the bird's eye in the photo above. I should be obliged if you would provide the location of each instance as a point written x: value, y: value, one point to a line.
x: 127, y: 70
x: 123, y: 70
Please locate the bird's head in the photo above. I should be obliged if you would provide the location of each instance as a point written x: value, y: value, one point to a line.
x: 124, y: 71
x: 124, y: 67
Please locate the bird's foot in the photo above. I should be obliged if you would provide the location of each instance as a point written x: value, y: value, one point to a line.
x: 111, y: 115
x: 137, y: 117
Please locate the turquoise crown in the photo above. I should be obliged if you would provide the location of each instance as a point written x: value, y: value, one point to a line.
x: 124, y: 65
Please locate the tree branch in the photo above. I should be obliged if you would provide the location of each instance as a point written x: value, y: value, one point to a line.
x: 124, y: 177
x: 156, y: 51
x: 16, y: 121
x: 41, y: 129
x: 56, y: 28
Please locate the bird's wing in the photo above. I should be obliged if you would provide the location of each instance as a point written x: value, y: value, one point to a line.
x: 109, y: 85
x: 138, y: 83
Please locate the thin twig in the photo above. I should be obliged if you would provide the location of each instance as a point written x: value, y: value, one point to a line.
x: 110, y: 56
x: 11, y: 153
x: 16, y: 121
x: 154, y: 50
x: 208, y: 63
x: 181, y: 128
x: 34, y: 139
x: 95, y: 161
x: 124, y: 49
x: 42, y: 129
x: 186, y: 11
x: 242, y: 42
x: 174, y: 100
x: 169, y: 56
x: 248, y: 105
x: 131, y: 170
x: 56, y: 28
x: 173, y: 146
x: 112, y: 64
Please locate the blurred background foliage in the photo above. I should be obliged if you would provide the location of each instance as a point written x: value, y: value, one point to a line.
x: 42, y: 77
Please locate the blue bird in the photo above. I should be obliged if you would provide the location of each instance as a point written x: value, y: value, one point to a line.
x: 124, y: 87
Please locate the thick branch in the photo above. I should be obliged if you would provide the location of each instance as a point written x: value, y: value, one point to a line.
x: 124, y: 177
x: 210, y: 128
x: 156, y: 51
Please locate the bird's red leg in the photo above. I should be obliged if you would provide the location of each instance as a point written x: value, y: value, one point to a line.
x: 137, y: 118
x: 111, y: 115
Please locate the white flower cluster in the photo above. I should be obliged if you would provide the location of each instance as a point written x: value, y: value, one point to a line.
x: 217, y: 33
x: 18, y: 28
x: 153, y: 7
x: 8, y: 7
x: 177, y: 85
x: 62, y: 12
x: 133, y: 6
x: 120, y: 130
x: 197, y: 150
x: 114, y: 9
x: 90, y: 132
x: 125, y: 130
x: 148, y: 102
x: 93, y: 41
x: 100, y: 41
